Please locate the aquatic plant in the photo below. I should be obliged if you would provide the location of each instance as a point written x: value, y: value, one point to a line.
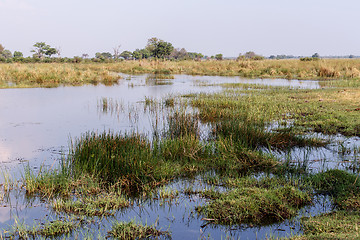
x: 333, y: 225
x: 132, y: 230
x: 255, y: 205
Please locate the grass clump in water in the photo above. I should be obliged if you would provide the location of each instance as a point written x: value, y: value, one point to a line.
x: 127, y: 160
x: 334, y: 225
x: 131, y: 230
x: 342, y: 186
x: 98, y: 205
x: 232, y: 156
x: 255, y: 205
x: 49, y: 229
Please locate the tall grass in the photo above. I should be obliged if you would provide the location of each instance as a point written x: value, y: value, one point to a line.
x: 55, y: 74
x: 127, y: 159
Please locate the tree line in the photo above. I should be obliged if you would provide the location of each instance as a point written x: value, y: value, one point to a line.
x: 155, y: 49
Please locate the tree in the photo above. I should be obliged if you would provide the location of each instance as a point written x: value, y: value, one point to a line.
x: 6, y: 54
x: 41, y: 49
x: 137, y: 54
x: 116, y: 51
x: 103, y: 56
x: 50, y: 51
x: 250, y: 54
x: 315, y: 55
x: 159, y: 48
x: 141, y: 54
x: 195, y: 56
x: 163, y: 49
x: 1, y: 48
x: 18, y: 54
x: 179, y: 54
x: 126, y: 55
x: 151, y: 44
x: 219, y: 56
x: 145, y: 53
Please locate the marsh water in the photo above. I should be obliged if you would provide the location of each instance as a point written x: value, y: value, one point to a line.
x: 37, y: 124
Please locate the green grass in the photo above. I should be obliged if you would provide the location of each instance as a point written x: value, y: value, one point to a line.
x: 105, y: 204
x: 334, y: 225
x: 48, y: 229
x: 342, y: 186
x: 255, y: 205
x: 132, y: 230
x: 329, y: 111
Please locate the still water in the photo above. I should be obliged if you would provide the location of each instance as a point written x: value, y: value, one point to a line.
x: 36, y: 125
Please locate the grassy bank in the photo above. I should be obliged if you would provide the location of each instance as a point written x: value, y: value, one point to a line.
x: 339, y: 72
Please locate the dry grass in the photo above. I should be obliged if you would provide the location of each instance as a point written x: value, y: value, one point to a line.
x: 54, y: 74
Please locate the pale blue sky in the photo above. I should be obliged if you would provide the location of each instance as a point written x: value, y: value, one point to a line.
x: 230, y: 27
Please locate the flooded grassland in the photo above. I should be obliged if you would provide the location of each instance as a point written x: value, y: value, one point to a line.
x: 180, y: 156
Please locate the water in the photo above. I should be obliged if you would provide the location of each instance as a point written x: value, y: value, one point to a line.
x: 36, y: 125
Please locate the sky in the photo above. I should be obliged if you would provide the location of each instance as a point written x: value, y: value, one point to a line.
x: 230, y: 27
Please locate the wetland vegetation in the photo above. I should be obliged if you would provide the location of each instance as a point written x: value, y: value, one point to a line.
x: 338, y: 72
x: 230, y: 141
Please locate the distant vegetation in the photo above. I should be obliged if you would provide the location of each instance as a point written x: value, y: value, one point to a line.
x: 336, y: 72
x: 154, y: 49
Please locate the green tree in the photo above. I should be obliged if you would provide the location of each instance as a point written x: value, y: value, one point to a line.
x: 1, y: 48
x: 315, y: 55
x: 195, y: 56
x: 126, y: 55
x: 41, y: 49
x: 151, y: 44
x: 18, y: 54
x: 6, y: 54
x: 159, y: 48
x: 141, y: 54
x: 50, y: 51
x: 163, y: 49
x: 103, y: 56
x: 219, y: 56
x: 137, y: 54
